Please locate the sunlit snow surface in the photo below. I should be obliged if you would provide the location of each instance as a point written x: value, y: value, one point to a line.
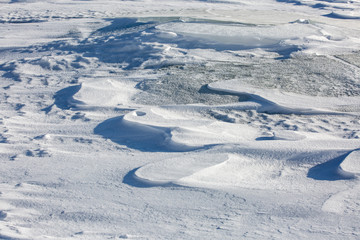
x: 180, y: 119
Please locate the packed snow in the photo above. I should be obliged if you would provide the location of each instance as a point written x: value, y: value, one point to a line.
x: 203, y: 119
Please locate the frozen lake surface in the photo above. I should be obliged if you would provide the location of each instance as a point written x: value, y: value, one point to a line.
x: 179, y: 119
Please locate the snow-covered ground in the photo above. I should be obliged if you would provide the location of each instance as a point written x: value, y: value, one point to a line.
x: 179, y: 119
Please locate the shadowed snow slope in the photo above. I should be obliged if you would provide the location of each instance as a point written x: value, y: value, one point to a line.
x: 139, y: 136
x: 332, y: 170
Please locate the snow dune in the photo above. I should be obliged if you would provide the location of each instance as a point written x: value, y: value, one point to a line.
x: 275, y: 101
x: 139, y: 136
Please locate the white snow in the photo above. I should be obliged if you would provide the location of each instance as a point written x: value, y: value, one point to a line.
x: 142, y: 119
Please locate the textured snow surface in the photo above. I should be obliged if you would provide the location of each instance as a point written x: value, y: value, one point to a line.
x: 206, y: 119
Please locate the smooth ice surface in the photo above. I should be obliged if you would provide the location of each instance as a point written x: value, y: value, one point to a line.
x: 206, y: 119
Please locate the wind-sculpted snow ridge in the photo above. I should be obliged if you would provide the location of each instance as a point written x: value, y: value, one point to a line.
x: 139, y: 136
x: 275, y: 101
x: 333, y: 169
x: 179, y: 119
x: 164, y: 174
x: 245, y: 166
x: 336, y: 9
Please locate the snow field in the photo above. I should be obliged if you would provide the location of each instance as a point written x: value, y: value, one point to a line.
x: 185, y: 119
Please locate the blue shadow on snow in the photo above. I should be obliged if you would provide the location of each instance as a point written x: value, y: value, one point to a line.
x: 331, y: 170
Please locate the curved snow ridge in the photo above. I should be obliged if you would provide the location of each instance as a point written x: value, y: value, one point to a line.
x: 352, y: 162
x: 141, y: 136
x: 345, y: 166
x: 276, y: 101
x: 348, y: 200
x: 245, y: 168
x: 93, y: 93
x: 167, y: 172
x: 327, y: 4
x: 271, y: 169
x: 252, y: 172
x: 172, y: 129
x: 265, y: 170
x: 187, y: 126
x: 105, y: 92
x: 64, y: 98
x: 344, y: 15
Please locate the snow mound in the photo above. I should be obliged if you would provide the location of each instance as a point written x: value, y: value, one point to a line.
x: 105, y: 92
x: 64, y: 98
x: 140, y: 136
x: 169, y: 171
x: 344, y: 15
x: 217, y: 171
x: 238, y: 171
x: 333, y: 169
x: 352, y: 162
x: 277, y: 101
x: 260, y: 169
